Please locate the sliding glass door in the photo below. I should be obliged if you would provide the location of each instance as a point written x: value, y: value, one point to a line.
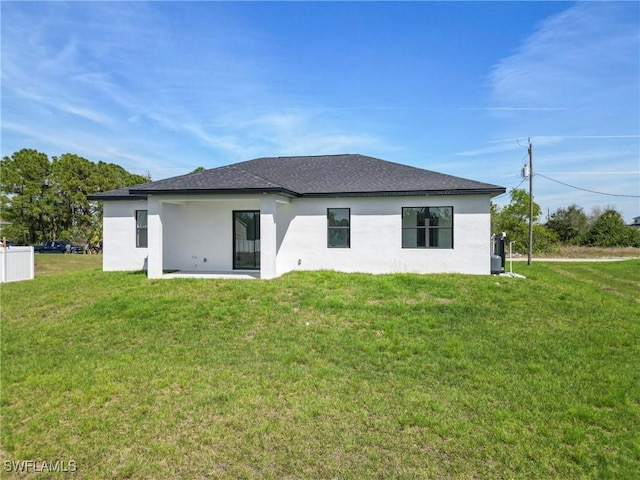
x: 246, y: 239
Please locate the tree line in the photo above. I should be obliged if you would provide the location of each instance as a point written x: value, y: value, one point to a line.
x: 46, y: 199
x: 603, y: 227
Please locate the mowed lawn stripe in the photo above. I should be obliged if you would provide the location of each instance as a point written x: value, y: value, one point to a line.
x: 610, y: 283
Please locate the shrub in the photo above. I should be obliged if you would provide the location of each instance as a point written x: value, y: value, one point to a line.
x: 609, y: 230
x: 569, y: 224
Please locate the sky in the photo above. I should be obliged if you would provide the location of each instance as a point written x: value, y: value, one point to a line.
x: 161, y: 88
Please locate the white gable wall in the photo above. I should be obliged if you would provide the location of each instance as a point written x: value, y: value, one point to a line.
x: 119, y: 250
x: 376, y: 236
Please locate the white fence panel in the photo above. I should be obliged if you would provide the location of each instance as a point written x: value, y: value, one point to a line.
x: 16, y: 263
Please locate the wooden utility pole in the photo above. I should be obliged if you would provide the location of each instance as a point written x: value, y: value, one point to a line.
x: 530, y: 202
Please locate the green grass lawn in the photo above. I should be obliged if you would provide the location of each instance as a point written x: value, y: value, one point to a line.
x: 324, y: 375
x: 47, y: 265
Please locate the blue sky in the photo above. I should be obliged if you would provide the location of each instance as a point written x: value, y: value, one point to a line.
x: 456, y: 87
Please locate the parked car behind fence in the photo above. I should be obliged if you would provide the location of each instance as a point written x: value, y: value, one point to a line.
x: 54, y: 246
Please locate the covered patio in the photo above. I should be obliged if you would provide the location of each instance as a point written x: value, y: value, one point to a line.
x: 216, y: 236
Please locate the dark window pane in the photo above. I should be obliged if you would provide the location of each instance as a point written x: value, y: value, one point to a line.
x: 421, y: 217
x: 142, y: 238
x: 338, y: 237
x: 440, y: 216
x: 414, y: 217
x: 445, y: 238
x: 338, y: 217
x: 409, y: 238
x: 141, y: 218
x: 421, y: 237
x: 409, y: 217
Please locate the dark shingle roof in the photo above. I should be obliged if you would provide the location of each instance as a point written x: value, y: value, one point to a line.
x: 326, y: 175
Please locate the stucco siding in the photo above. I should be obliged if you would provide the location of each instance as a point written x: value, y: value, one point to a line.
x: 376, y: 236
x: 197, y: 234
x: 119, y: 250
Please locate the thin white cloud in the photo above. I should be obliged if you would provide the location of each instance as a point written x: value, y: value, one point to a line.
x: 572, y: 58
x: 298, y: 133
x: 244, y: 134
x: 120, y: 67
x: 566, y: 137
x: 585, y: 60
x: 491, y: 149
x: 62, y: 105
x: 511, y: 144
x: 515, y: 109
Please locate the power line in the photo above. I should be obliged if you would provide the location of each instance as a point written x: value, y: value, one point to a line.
x: 509, y: 192
x: 594, y: 173
x: 523, y: 179
x: 586, y: 189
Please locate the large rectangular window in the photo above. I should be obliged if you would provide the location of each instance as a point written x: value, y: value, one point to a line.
x: 338, y: 227
x: 427, y: 227
x: 141, y: 228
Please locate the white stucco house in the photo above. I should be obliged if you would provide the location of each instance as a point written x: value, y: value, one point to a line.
x: 268, y: 216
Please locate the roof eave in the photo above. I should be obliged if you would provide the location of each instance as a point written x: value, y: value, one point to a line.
x: 143, y: 194
x: 406, y: 193
x: 98, y: 197
x: 219, y: 191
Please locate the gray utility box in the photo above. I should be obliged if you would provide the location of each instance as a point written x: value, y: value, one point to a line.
x: 498, y: 242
